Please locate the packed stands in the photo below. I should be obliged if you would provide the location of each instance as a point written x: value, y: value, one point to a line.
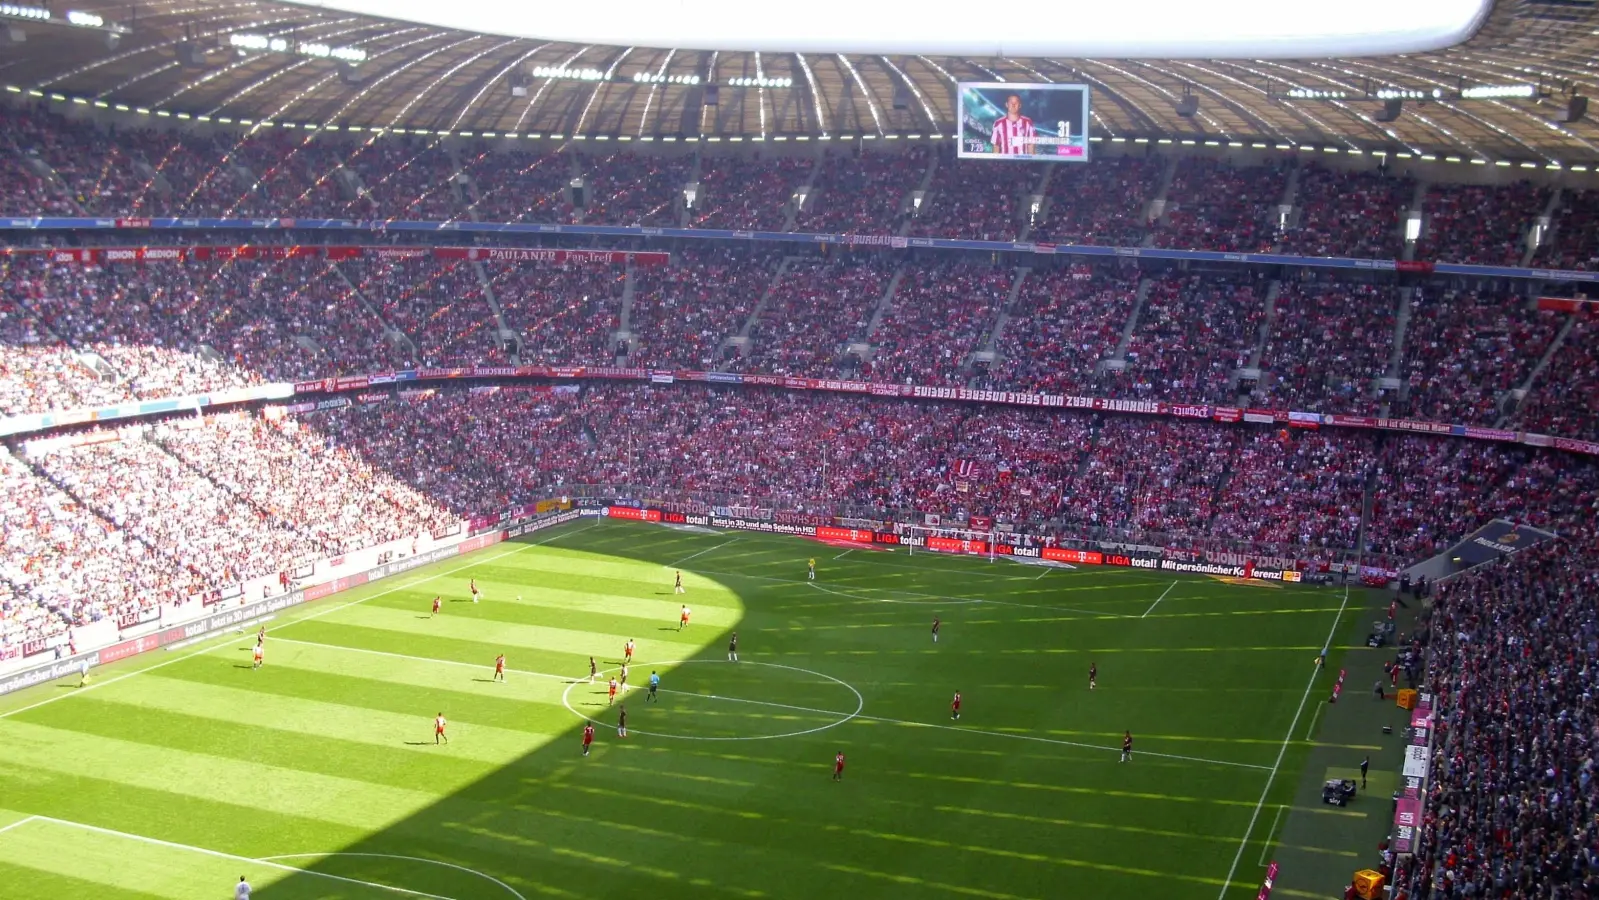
x: 1482, y: 224
x: 1104, y: 204
x: 566, y: 314
x: 1575, y: 241
x: 1192, y: 335
x: 937, y: 318
x: 1065, y: 321
x: 748, y: 193
x: 863, y: 191
x: 1428, y: 493
x: 1349, y: 212
x: 1329, y: 342
x: 976, y: 199
x: 1149, y: 478
x: 1295, y: 490
x: 439, y: 305
x: 1465, y: 351
x: 817, y: 307
x: 1565, y: 401
x: 1213, y: 205
x: 635, y: 189
x: 515, y: 185
x: 683, y: 312
x: 1511, y: 800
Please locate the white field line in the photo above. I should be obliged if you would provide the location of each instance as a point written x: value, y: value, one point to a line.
x: 699, y: 554
x: 229, y: 638
x: 830, y: 712
x: 1157, y: 601
x: 1281, y: 751
x: 1265, y: 846
x: 235, y: 858
x: 16, y: 823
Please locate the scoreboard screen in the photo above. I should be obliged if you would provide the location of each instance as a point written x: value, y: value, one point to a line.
x: 1029, y: 122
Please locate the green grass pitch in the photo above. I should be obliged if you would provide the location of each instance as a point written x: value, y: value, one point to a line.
x: 317, y: 776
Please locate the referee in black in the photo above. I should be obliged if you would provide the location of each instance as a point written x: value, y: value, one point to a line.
x: 1364, y: 765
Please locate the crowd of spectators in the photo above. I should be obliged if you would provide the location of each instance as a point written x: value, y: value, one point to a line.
x: 1214, y: 205
x: 1193, y: 334
x: 566, y: 314
x: 1480, y: 224
x: 1104, y: 204
x: 515, y: 185
x: 815, y: 310
x: 1064, y: 322
x: 1349, y: 212
x: 1565, y: 399
x: 1574, y: 239
x: 684, y: 312
x: 635, y: 189
x: 439, y: 305
x: 748, y: 193
x: 1295, y: 489
x: 1144, y: 478
x: 1465, y: 351
x: 938, y: 316
x: 1329, y: 343
x: 863, y: 192
x: 1510, y: 807
x: 1429, y: 493
x: 976, y: 199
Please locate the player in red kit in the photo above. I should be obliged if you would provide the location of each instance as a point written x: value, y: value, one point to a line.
x: 1127, y: 746
x: 627, y: 651
x: 612, y: 697
x: 438, y: 729
x: 588, y: 737
x: 838, y: 766
x: 473, y: 585
x: 1013, y: 135
x: 435, y: 605
x: 955, y: 706
x: 1093, y: 675
x: 499, y: 667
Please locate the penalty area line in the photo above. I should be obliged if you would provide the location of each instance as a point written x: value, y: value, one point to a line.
x: 1157, y: 601
x: 699, y: 554
x: 218, y: 854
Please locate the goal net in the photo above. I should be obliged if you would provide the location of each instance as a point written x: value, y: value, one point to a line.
x: 943, y: 539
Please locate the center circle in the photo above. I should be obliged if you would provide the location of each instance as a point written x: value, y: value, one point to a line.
x: 727, y: 702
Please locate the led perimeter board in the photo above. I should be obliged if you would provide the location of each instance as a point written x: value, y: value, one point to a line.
x: 1031, y: 122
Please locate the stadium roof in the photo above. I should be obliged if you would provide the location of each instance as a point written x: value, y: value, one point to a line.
x: 293, y: 64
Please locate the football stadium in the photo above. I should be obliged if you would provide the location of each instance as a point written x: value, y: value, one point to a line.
x: 494, y: 451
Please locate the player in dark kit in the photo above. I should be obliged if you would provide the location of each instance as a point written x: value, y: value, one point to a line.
x: 677, y: 588
x: 588, y: 737
x: 955, y: 706
x: 732, y: 648
x: 936, y: 624
x: 593, y: 670
x: 838, y: 766
x: 621, y: 721
x: 1093, y: 675
x: 1127, y: 746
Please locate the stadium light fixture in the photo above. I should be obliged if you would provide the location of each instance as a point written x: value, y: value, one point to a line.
x: 1251, y: 29
x: 18, y: 11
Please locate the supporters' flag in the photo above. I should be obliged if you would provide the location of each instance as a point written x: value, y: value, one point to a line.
x: 1004, y: 476
x: 963, y: 468
x: 963, y: 487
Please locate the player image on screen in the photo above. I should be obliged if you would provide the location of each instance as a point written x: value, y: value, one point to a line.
x: 1024, y: 122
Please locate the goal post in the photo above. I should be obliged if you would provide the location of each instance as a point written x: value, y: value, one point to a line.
x: 965, y: 536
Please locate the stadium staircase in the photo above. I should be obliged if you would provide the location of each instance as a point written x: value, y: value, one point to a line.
x: 801, y: 196
x: 1285, y: 206
x: 1118, y: 360
x: 1418, y: 206
x: 741, y: 341
x: 988, y: 352
x: 463, y: 184
x: 153, y: 177
x: 1040, y: 195
x: 908, y: 206
x: 1520, y: 393
x: 42, y: 170
x: 862, y: 347
x: 1393, y: 376
x: 1268, y: 321
x: 1545, y: 219
x: 509, y: 338
x: 1157, y: 204
x: 624, y: 331
x: 391, y: 334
